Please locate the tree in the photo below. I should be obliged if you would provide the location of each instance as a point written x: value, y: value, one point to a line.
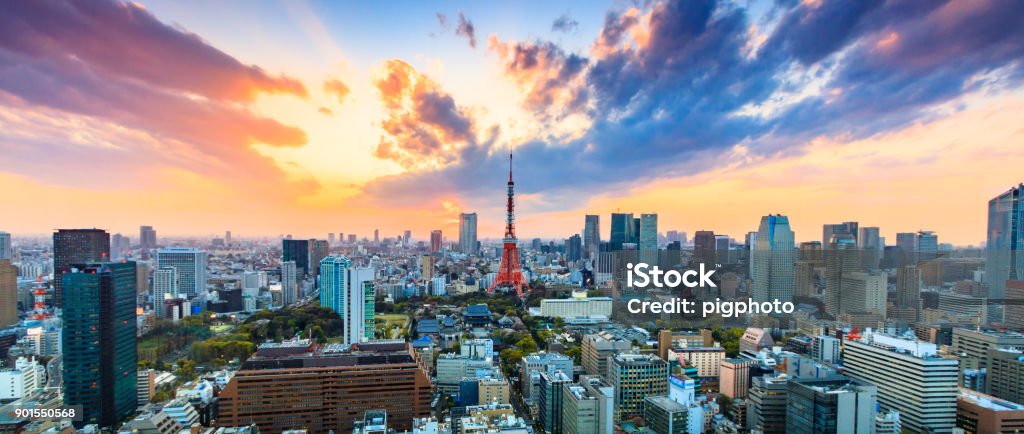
x: 527, y: 345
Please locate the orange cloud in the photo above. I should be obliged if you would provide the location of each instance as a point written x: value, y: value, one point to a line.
x: 336, y: 88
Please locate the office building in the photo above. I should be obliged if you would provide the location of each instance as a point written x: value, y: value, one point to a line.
x: 636, y: 376
x: 1005, y: 376
x: 908, y: 289
x: 578, y: 308
x: 318, y: 250
x: 648, y: 235
x: 592, y: 235
x: 1003, y: 258
x: 622, y: 231
x: 1014, y: 290
x: 927, y: 246
x: 846, y: 228
x: 734, y: 377
x: 910, y: 376
x: 972, y: 346
x: 436, y: 240
x: 588, y: 407
x: 665, y: 416
x: 766, y: 404
x: 98, y: 342
x: 467, y: 234
x: 191, y: 265
x: 6, y: 247
x: 773, y: 259
x: 986, y: 414
x: 289, y: 282
x: 704, y: 247
x: 532, y: 365
x: 147, y: 237
x: 165, y: 286
x: 840, y: 258
x: 863, y: 292
x: 8, y: 293
x: 906, y: 246
x: 826, y: 349
x: 870, y: 245
x: 550, y: 400
x: 297, y: 251
x: 707, y: 360
x: 833, y: 405
x: 573, y: 248
x: 76, y: 246
x: 350, y: 292
x: 755, y: 339
x: 329, y: 387
x: 597, y: 349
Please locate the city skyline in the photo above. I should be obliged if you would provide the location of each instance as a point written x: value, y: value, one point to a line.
x: 345, y: 118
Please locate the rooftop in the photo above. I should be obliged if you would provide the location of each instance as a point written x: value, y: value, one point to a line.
x: 290, y: 355
x: 988, y: 401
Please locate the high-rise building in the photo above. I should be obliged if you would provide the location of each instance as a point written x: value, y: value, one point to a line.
x: 588, y: 407
x: 435, y: 240
x: 318, y: 250
x: 597, y: 349
x: 837, y: 405
x: 804, y: 281
x: 191, y: 265
x: 376, y: 236
x: 467, y: 234
x: 734, y: 377
x: 870, y: 246
x: 1005, y: 376
x: 98, y: 343
x: 298, y: 252
x: 906, y: 245
x: 550, y: 400
x: 1003, y: 258
x: 592, y: 235
x: 840, y: 258
x: 147, y: 237
x: 76, y: 246
x: 665, y: 416
x: 773, y: 260
x: 980, y: 413
x: 328, y: 387
x: 119, y: 245
x: 621, y: 230
x: 908, y: 289
x: 8, y: 293
x: 165, y: 285
x: 330, y: 237
x: 911, y: 378
x: 573, y: 248
x: 6, y: 249
x: 766, y: 404
x: 927, y: 246
x: 349, y: 291
x: 352, y: 238
x: 844, y: 228
x: 863, y: 292
x: 704, y: 247
x: 648, y: 232
x: 289, y: 282
x: 636, y: 376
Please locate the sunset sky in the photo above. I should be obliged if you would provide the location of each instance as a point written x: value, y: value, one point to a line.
x: 312, y: 117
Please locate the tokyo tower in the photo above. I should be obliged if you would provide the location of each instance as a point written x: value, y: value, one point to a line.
x: 510, y: 272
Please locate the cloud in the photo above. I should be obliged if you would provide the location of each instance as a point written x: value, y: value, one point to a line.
x: 112, y: 64
x: 336, y: 88
x: 465, y: 29
x: 126, y: 41
x: 669, y: 87
x: 423, y: 126
x: 442, y: 19
x: 564, y: 23
x: 325, y: 111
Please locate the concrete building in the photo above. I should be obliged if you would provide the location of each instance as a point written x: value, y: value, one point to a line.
x: 766, y: 404
x: 8, y: 293
x: 588, y: 407
x: 756, y: 339
x: 734, y: 377
x: 597, y: 349
x: 634, y: 377
x: 550, y: 400
x: 579, y: 307
x: 910, y: 376
x: 665, y: 416
x: 985, y: 414
x: 772, y: 260
x: 835, y: 405
x: 1005, y: 377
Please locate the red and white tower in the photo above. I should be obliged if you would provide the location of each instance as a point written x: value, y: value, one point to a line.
x: 510, y: 272
x: 39, y: 297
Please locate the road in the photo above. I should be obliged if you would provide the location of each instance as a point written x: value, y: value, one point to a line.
x: 53, y: 373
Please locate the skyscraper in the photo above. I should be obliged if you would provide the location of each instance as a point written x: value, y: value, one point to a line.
x: 621, y: 230
x: 119, y: 246
x: 74, y: 246
x: 98, y: 345
x: 906, y: 243
x: 648, y: 232
x: 318, y: 250
x: 298, y: 252
x: 592, y: 235
x: 908, y: 289
x: 435, y: 240
x: 573, y: 248
x: 6, y: 251
x: 467, y: 233
x: 165, y: 285
x: 830, y: 405
x: 848, y: 228
x: 191, y: 265
x: 1003, y: 260
x: 8, y: 293
x: 773, y: 258
x: 927, y: 246
x: 704, y: 247
x: 840, y: 257
x: 349, y: 291
x: 147, y: 237
x: 870, y: 244
x: 636, y: 376
x: 289, y: 282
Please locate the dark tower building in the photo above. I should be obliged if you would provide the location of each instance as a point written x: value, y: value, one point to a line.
x: 704, y: 245
x: 147, y: 237
x: 621, y: 230
x: 74, y: 246
x: 99, y: 347
x: 510, y: 273
x: 298, y: 251
x: 435, y: 241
